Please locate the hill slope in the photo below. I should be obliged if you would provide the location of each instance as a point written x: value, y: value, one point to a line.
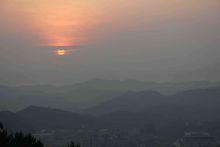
x: 193, y: 104
x: 84, y: 95
x: 33, y: 117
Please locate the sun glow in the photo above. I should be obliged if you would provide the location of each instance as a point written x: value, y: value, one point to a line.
x: 61, y: 52
x: 57, y: 22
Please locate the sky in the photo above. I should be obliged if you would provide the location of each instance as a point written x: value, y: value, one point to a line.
x: 147, y: 40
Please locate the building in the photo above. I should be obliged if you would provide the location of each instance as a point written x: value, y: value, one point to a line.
x: 197, y: 139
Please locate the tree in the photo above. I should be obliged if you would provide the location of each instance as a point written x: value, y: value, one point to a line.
x: 1, y: 126
x: 18, y: 139
x: 72, y: 144
x: 5, y: 138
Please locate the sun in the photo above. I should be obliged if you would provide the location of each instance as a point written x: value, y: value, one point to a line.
x: 61, y: 52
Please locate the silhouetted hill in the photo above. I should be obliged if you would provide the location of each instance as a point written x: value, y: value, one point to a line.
x: 210, y: 95
x: 131, y: 102
x: 129, y: 109
x: 14, y: 122
x: 200, y: 104
x: 53, y: 118
x: 65, y: 97
x: 86, y: 94
x: 135, y: 85
x: 34, y: 117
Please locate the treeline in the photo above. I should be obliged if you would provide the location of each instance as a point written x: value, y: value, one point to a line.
x: 19, y: 139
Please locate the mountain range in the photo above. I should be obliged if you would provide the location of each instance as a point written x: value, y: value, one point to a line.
x: 129, y: 109
x: 85, y: 95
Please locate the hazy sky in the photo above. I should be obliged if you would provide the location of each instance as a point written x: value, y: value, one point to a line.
x: 150, y: 40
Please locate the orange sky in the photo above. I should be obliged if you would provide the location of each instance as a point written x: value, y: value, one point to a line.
x: 68, y: 22
x: 134, y: 39
x: 57, y: 22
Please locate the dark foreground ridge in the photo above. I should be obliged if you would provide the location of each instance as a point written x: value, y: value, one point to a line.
x: 20, y: 139
x: 134, y: 119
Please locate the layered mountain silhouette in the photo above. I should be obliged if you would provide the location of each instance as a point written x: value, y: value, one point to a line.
x: 86, y: 94
x: 35, y: 117
x: 131, y: 108
x: 131, y: 102
x: 200, y: 104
